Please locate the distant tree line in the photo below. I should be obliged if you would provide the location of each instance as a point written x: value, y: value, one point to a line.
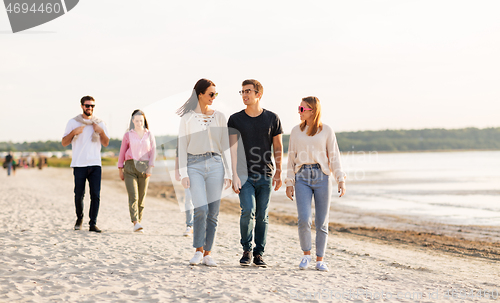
x: 384, y: 140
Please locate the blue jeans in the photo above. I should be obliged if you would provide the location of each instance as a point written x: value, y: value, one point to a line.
x: 254, y: 202
x: 206, y: 176
x: 93, y: 174
x: 9, y: 168
x: 311, y: 181
x: 188, y: 207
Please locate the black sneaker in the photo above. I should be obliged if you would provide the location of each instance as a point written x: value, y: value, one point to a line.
x: 246, y: 259
x: 258, y: 261
x: 78, y: 224
x: 94, y: 229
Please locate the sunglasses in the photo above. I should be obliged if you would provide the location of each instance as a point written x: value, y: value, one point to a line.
x: 212, y: 95
x: 89, y: 105
x: 303, y: 109
x: 247, y: 91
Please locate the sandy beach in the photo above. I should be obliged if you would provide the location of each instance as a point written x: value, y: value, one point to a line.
x: 44, y: 260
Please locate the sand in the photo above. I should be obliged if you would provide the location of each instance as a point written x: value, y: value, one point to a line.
x: 44, y: 260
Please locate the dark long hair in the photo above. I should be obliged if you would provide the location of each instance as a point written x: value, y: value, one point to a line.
x: 138, y: 112
x: 199, y: 88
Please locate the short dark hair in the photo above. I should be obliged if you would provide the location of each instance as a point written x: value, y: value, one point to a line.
x: 86, y: 98
x: 256, y: 85
x: 138, y: 112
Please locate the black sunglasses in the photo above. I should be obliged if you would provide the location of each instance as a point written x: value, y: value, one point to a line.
x: 89, y: 105
x: 213, y: 94
x: 247, y: 91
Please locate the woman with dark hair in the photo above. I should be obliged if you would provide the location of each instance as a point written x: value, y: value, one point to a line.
x: 135, y: 164
x: 313, y: 155
x: 203, y: 164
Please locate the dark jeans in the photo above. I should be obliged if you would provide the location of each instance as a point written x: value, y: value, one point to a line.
x: 93, y: 174
x: 254, y: 201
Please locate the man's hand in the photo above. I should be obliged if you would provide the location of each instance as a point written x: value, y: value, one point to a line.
x: 97, y: 128
x: 277, y: 180
x: 341, y: 188
x: 185, y: 182
x: 78, y: 130
x: 236, y: 184
x: 121, y: 173
x: 289, y: 192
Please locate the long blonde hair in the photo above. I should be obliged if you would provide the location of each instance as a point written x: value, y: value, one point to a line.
x: 316, y: 126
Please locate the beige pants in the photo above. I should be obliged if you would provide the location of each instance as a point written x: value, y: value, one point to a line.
x: 137, y: 187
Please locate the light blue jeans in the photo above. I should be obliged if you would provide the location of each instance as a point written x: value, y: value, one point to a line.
x: 311, y: 181
x: 206, y: 175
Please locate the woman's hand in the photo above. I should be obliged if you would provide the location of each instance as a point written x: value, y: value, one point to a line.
x: 177, y: 175
x: 185, y: 182
x: 120, y: 171
x: 149, y: 172
x: 341, y: 188
x: 289, y: 192
x: 227, y: 183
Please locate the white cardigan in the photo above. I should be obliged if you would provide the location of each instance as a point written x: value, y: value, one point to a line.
x: 199, y: 137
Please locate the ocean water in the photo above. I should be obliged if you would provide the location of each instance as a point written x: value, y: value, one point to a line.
x: 446, y: 187
x: 460, y: 188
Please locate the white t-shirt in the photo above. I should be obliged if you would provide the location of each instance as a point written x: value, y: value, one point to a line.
x: 85, y: 152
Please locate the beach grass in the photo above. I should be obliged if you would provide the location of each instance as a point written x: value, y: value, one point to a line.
x: 66, y: 162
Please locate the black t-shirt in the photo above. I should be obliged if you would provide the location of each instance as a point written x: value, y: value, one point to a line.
x: 257, y: 136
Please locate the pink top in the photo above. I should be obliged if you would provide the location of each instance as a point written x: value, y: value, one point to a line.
x: 137, y: 148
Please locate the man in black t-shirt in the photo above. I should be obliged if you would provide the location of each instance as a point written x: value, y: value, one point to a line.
x: 252, y: 133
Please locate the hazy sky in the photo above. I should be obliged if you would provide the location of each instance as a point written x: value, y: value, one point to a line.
x: 373, y: 64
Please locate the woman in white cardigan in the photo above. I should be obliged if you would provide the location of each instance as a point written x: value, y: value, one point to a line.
x: 203, y: 164
x: 313, y: 155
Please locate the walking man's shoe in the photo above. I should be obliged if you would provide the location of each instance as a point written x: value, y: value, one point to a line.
x: 94, y: 228
x: 258, y: 261
x: 246, y: 259
x: 78, y: 224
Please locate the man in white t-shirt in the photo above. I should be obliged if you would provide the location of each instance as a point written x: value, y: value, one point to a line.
x: 86, y: 133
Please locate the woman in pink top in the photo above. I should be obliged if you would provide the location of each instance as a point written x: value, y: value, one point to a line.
x: 135, y: 163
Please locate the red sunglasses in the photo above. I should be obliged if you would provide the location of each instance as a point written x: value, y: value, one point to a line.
x: 302, y: 109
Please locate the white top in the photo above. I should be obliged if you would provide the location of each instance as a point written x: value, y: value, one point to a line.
x: 321, y: 148
x: 85, y: 152
x: 200, y: 134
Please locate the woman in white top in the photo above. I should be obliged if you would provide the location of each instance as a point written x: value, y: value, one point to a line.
x: 313, y: 155
x: 203, y: 164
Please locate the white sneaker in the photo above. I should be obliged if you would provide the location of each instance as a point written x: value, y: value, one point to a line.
x: 198, y: 256
x: 138, y: 227
x: 320, y: 265
x: 208, y: 261
x: 189, y: 231
x: 304, y: 263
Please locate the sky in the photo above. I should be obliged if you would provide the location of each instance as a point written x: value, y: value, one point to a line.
x: 386, y: 64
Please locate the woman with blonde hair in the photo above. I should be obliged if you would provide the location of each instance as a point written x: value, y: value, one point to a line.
x: 135, y: 164
x: 313, y: 155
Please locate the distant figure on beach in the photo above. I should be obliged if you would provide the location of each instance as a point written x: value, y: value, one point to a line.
x: 313, y: 155
x: 135, y: 164
x: 188, y: 204
x: 204, y: 164
x: 86, y: 133
x: 260, y: 130
x: 8, y: 163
